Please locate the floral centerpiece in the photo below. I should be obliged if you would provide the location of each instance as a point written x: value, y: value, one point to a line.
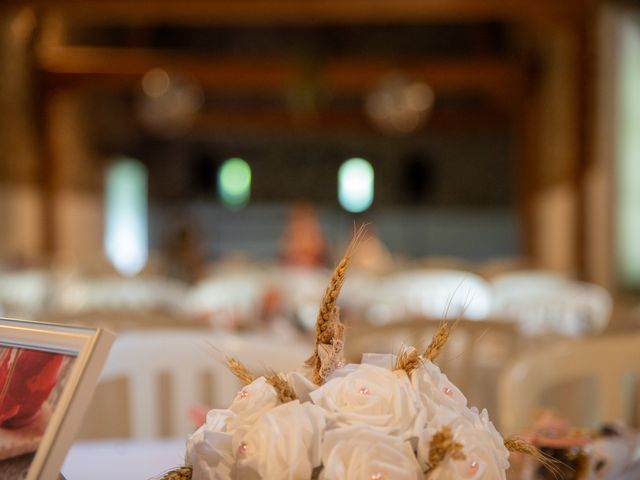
x: 389, y: 417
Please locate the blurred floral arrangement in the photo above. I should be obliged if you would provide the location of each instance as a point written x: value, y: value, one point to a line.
x: 389, y: 417
x: 581, y: 453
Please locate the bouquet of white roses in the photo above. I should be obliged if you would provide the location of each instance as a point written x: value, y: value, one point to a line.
x: 389, y: 417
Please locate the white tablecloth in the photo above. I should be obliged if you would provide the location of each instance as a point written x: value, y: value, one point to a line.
x: 633, y: 473
x: 123, y: 459
x: 143, y: 460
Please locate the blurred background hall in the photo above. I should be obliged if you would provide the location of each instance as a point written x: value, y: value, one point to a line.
x: 187, y: 173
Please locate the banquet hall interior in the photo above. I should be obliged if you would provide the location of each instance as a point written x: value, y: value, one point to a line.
x: 188, y: 174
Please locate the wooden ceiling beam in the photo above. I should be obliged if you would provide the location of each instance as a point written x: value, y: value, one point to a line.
x: 308, y: 12
x: 76, y: 67
x: 339, y: 121
x: 494, y: 77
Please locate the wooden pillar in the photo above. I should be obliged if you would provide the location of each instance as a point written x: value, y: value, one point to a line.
x: 75, y: 203
x: 20, y: 194
x: 552, y: 137
x: 599, y: 181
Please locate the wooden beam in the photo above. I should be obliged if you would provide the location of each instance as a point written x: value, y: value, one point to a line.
x: 339, y: 121
x: 308, y: 12
x: 74, y: 67
x: 493, y: 77
x: 78, y: 66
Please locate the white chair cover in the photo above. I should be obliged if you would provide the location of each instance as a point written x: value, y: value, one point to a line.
x: 187, y: 357
x: 608, y: 362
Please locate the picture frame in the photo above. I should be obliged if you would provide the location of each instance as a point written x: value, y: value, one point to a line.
x: 61, y: 364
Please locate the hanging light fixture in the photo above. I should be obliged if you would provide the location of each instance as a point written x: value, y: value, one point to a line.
x: 399, y: 106
x: 168, y: 103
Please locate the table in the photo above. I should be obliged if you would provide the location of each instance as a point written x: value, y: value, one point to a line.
x: 144, y: 459
x: 123, y: 459
x: 633, y: 473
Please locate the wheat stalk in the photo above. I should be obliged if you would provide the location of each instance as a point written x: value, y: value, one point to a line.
x: 240, y: 371
x: 438, y: 341
x: 408, y: 360
x: 282, y: 388
x: 329, y: 328
x: 330, y: 298
x: 519, y: 445
x: 182, y: 473
x: 443, y: 445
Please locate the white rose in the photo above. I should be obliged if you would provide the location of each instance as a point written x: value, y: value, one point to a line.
x: 486, y: 457
x: 301, y: 385
x: 209, y: 449
x: 481, y: 421
x: 283, y: 444
x: 435, y: 389
x: 382, y: 360
x: 360, y: 453
x: 250, y: 404
x: 374, y: 397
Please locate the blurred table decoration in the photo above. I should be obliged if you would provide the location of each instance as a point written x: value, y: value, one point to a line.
x: 303, y: 243
x: 607, y: 453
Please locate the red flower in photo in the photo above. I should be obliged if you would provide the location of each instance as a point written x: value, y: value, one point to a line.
x: 27, y: 378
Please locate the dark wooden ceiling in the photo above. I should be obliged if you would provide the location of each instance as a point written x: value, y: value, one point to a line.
x: 335, y: 50
x: 307, y: 12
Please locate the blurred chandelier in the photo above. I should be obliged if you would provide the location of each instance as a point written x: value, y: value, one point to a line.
x: 399, y: 106
x: 168, y: 103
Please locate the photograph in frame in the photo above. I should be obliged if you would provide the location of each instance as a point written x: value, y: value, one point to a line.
x: 47, y: 376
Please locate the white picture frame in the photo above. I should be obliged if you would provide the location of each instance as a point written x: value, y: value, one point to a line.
x: 89, y: 348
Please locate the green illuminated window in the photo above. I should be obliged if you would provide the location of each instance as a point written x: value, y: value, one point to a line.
x: 234, y: 183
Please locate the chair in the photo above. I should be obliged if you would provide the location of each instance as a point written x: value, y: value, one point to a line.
x: 606, y: 361
x: 472, y: 358
x: 194, y: 364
